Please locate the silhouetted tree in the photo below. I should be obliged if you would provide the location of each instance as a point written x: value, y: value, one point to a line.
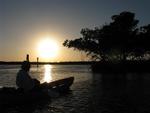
x: 120, y: 39
x: 144, y: 40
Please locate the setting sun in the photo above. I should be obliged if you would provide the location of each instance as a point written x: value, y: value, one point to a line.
x: 47, y: 48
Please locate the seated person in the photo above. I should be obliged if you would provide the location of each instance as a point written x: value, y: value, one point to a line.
x: 23, y: 79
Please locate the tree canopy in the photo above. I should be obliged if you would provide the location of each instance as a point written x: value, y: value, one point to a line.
x: 119, y: 40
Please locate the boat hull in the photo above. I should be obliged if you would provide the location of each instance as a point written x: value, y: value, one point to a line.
x: 11, y: 95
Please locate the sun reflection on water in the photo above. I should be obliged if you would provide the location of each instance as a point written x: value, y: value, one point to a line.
x: 47, y: 73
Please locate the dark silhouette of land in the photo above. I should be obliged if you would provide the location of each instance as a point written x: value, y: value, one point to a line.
x: 121, y: 67
x: 120, y: 45
x: 42, y: 63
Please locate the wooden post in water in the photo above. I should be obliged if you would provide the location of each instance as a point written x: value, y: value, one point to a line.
x: 27, y: 57
x: 37, y: 61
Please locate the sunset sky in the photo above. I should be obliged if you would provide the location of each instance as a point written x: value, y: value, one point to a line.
x: 24, y: 24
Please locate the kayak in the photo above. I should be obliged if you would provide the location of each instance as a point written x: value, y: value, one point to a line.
x: 12, y: 95
x: 62, y: 83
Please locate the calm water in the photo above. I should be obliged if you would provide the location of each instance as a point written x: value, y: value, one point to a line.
x: 91, y: 93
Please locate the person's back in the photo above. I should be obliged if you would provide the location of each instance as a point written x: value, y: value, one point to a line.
x: 23, y: 80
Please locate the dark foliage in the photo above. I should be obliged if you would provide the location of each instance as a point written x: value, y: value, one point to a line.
x: 120, y: 40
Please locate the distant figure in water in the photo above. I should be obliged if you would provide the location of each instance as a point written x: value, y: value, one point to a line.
x: 24, y: 80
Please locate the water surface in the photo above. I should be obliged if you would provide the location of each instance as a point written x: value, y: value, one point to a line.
x: 90, y: 93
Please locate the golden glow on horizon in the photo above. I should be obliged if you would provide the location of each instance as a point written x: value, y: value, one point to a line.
x: 47, y: 73
x: 47, y: 48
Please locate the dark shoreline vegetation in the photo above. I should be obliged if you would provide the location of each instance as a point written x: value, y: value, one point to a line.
x: 122, y: 67
x: 118, y: 46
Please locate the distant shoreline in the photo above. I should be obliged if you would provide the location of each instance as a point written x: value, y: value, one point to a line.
x: 104, y: 67
x: 42, y: 63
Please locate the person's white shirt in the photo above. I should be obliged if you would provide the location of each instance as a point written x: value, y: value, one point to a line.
x: 24, y: 81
